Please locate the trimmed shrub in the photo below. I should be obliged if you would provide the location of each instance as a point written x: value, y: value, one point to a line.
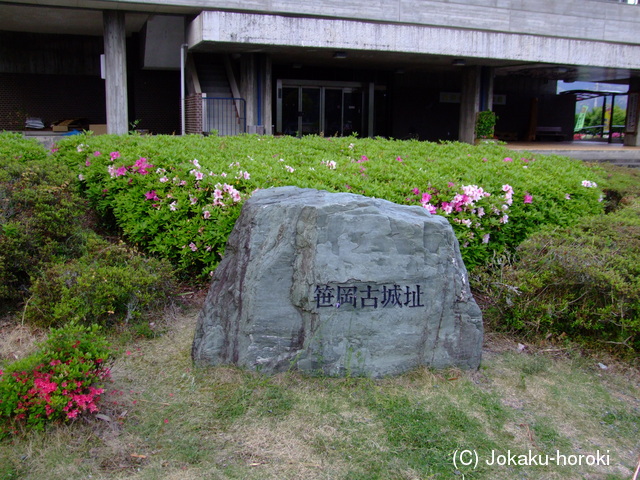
x: 110, y: 285
x: 582, y: 281
x: 59, y: 382
x: 41, y: 215
x: 179, y: 196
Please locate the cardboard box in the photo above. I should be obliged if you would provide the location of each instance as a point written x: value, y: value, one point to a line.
x: 98, y: 128
x: 60, y: 128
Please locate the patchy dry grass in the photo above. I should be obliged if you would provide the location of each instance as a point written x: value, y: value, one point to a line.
x: 163, y: 419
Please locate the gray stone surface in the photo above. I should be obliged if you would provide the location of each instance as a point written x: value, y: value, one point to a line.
x: 339, y: 284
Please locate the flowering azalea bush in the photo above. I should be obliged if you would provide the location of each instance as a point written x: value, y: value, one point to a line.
x: 60, y: 382
x: 180, y: 196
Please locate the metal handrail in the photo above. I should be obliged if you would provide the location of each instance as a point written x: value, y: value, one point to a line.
x: 224, y: 115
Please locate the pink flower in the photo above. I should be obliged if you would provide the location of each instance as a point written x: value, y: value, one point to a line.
x: 416, y: 191
x: 193, y: 247
x: 567, y: 197
x: 87, y: 163
x: 508, y: 193
x: 363, y: 159
x: 528, y: 198
x: 485, y: 238
x: 96, y: 153
x: 399, y: 159
x: 117, y: 172
x: 508, y: 159
x: 114, y: 155
x: 432, y: 210
x: 151, y: 195
x: 142, y: 166
x: 206, y: 214
x: 425, y: 198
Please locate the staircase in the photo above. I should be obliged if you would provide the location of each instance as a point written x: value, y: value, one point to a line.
x: 221, y: 112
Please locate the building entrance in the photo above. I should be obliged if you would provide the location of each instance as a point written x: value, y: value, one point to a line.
x: 329, y: 109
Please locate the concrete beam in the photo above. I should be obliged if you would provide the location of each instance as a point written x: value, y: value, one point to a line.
x: 580, y: 19
x: 275, y: 30
x: 115, y: 72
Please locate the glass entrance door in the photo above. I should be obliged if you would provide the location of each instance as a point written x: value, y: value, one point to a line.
x: 301, y: 111
x: 335, y: 110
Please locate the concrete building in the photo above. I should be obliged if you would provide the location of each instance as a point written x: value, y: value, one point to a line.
x: 397, y: 68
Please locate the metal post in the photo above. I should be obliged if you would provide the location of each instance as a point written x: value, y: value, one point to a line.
x: 182, y: 86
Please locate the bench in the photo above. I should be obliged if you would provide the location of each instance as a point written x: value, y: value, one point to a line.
x: 550, y: 132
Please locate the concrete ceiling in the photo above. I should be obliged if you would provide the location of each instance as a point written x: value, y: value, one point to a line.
x: 20, y: 18
x: 73, y: 21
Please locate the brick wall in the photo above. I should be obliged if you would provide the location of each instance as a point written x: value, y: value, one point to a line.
x: 51, y: 98
x: 57, y: 77
x: 193, y: 108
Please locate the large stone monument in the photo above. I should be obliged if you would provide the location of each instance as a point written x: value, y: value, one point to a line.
x: 338, y: 284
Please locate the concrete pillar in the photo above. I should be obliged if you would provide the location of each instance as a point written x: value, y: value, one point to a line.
x: 632, y: 130
x: 486, y: 89
x: 248, y: 89
x: 267, y: 96
x: 115, y: 72
x: 469, y: 104
x: 255, y: 88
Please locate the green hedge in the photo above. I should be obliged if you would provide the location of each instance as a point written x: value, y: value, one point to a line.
x: 41, y: 214
x: 164, y: 192
x: 53, y: 266
x: 582, y: 281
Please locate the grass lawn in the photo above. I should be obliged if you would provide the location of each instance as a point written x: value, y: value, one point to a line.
x: 163, y: 419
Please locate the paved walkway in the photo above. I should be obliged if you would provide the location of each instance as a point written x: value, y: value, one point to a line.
x: 584, y: 150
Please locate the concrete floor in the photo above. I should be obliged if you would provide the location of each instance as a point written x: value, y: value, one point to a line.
x: 591, y: 151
